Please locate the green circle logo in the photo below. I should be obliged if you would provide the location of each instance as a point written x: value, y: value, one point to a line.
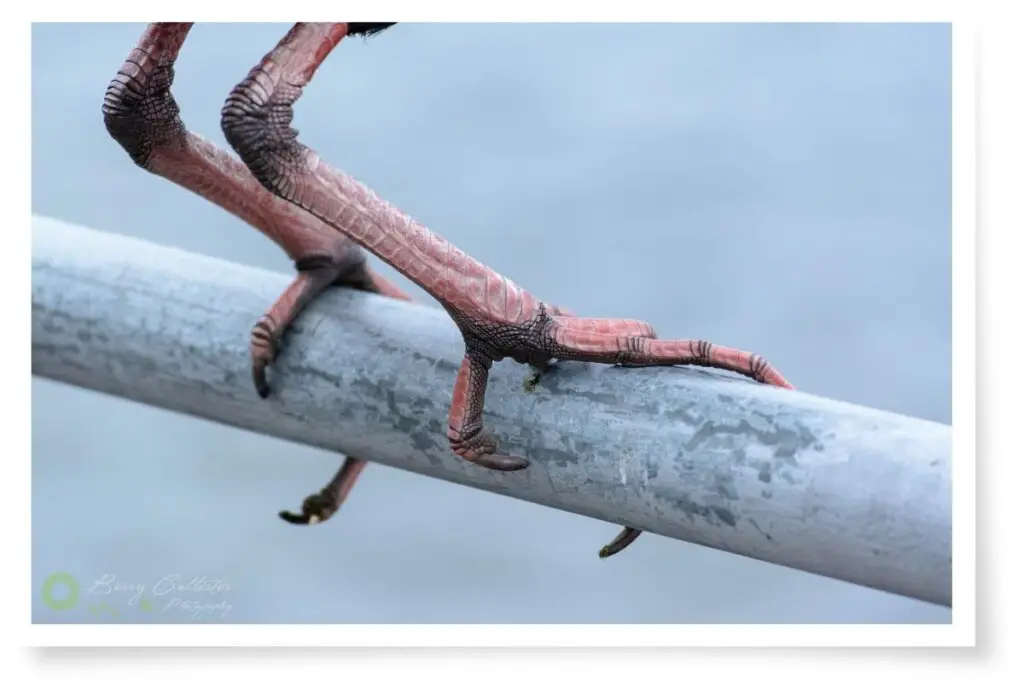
x: 60, y: 579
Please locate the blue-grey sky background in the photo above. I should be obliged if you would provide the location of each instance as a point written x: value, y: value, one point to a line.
x: 780, y: 188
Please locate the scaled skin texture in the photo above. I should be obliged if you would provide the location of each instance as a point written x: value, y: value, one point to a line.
x: 497, y: 318
x: 320, y: 216
x: 141, y: 114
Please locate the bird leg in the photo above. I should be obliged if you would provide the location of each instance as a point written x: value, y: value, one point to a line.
x: 497, y: 318
x: 141, y: 114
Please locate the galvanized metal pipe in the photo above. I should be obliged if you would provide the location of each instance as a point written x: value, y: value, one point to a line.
x: 789, y: 478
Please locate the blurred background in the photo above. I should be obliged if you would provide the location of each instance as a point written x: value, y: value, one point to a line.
x: 780, y: 188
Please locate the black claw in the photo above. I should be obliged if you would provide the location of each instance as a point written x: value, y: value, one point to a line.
x: 619, y: 543
x: 259, y: 379
x: 317, y: 508
x: 293, y: 518
x: 502, y: 463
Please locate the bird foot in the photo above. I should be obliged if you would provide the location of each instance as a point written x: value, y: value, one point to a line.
x: 316, y: 508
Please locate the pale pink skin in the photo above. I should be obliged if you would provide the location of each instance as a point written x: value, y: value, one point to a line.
x: 498, y: 319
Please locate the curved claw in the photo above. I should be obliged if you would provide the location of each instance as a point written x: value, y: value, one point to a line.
x: 619, y: 543
x: 293, y: 518
x: 481, y: 448
x: 315, y: 509
x: 502, y: 463
x: 259, y: 377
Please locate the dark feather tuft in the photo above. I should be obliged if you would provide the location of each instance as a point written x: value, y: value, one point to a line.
x: 368, y: 30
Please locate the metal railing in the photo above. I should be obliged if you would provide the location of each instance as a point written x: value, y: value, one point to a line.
x: 793, y: 479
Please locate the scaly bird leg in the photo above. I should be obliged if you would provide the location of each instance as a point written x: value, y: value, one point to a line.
x: 497, y: 318
x: 141, y: 114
